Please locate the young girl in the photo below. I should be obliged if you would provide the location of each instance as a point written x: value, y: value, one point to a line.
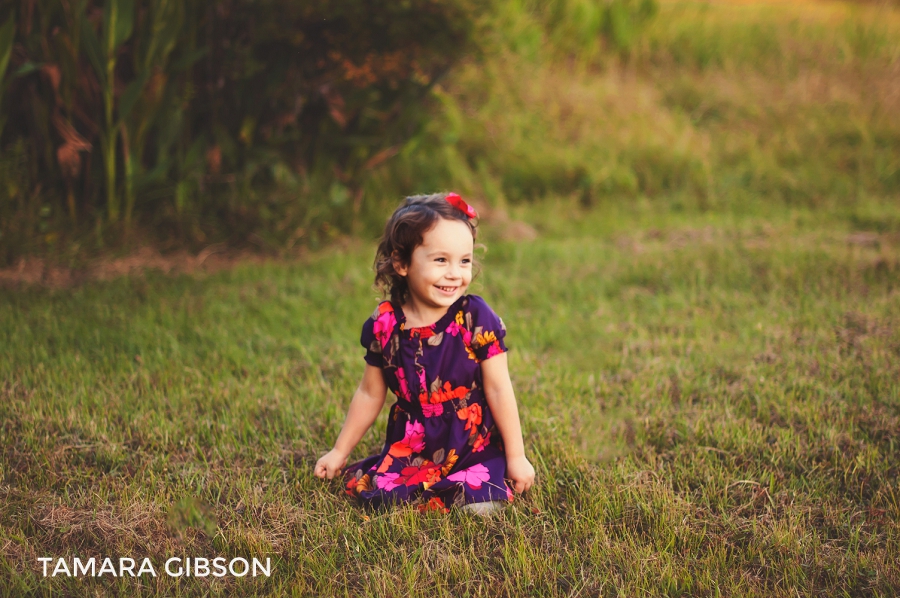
x: 453, y: 435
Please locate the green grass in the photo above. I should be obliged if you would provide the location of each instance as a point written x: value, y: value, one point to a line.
x: 705, y: 341
x: 711, y: 400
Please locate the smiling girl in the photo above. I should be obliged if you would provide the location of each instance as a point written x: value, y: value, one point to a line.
x: 453, y: 434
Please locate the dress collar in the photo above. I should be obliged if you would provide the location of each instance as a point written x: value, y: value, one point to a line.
x: 441, y: 322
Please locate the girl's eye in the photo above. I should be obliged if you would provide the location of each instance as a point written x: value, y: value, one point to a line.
x: 441, y: 259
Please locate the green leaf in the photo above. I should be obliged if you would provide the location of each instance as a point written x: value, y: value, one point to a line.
x: 92, y: 48
x: 124, y: 21
x: 181, y: 195
x: 193, y: 155
x: 7, y: 34
x: 131, y: 95
x: 338, y: 194
x: 118, y: 21
x: 163, y: 36
x: 156, y: 175
x: 185, y: 62
x: 28, y: 68
x: 619, y: 26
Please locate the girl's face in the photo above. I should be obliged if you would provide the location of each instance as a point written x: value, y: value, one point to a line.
x: 440, y: 269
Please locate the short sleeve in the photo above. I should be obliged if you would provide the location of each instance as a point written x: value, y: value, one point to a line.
x: 488, y: 330
x: 373, y: 348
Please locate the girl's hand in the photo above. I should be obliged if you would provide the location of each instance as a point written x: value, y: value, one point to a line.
x: 364, y: 408
x: 330, y: 464
x: 521, y: 472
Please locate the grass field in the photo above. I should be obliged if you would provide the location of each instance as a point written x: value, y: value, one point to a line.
x: 699, y: 267
x: 712, y: 403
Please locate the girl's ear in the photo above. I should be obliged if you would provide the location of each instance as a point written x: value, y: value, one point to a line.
x: 399, y: 267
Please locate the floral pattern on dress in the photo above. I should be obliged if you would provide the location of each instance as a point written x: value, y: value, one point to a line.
x: 442, y: 447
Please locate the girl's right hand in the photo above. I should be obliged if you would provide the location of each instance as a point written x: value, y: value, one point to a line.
x: 330, y: 464
x: 521, y: 472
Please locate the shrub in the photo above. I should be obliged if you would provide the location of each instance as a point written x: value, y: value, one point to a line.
x: 178, y: 111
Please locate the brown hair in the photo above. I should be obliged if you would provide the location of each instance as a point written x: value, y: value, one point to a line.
x: 403, y: 233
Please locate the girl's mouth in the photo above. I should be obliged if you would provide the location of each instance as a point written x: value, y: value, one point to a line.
x: 447, y: 290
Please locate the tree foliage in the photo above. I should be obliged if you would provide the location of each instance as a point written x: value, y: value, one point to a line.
x: 117, y: 110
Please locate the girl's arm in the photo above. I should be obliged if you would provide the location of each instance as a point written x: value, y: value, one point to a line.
x: 364, y: 408
x: 501, y: 399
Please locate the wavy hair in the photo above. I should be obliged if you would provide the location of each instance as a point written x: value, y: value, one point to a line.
x: 403, y: 232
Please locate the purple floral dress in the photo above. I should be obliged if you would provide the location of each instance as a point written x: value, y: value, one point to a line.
x: 442, y: 447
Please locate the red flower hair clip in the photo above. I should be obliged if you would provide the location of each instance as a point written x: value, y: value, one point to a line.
x: 457, y: 202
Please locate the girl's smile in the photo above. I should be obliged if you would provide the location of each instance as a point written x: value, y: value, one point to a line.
x: 439, y: 271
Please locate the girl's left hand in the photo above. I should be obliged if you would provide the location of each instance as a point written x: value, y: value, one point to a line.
x: 521, y: 472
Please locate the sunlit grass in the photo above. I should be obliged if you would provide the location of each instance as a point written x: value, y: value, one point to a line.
x: 715, y: 105
x: 712, y: 402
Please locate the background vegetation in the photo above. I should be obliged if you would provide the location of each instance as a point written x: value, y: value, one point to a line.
x: 228, y: 125
x: 704, y: 322
x: 206, y: 122
x: 174, y: 114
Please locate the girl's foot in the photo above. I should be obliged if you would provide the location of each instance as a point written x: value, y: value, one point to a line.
x: 485, y: 509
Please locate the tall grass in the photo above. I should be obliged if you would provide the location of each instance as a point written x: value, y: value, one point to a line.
x: 714, y: 105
